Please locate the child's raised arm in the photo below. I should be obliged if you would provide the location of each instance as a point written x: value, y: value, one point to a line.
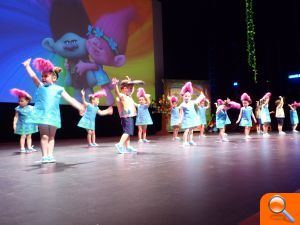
x: 115, y: 82
x: 108, y: 111
x: 83, y: 98
x: 31, y: 73
x: 72, y: 101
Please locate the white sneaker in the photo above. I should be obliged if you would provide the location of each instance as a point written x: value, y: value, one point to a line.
x: 51, y: 159
x: 192, y: 143
x: 247, y: 137
x: 225, y: 134
x: 23, y: 150
x: 177, y: 139
x: 141, y: 141
x: 185, y: 144
x: 95, y: 144
x: 225, y: 139
x: 282, y: 133
x: 266, y: 135
x: 146, y: 140
x: 295, y: 131
x: 202, y: 136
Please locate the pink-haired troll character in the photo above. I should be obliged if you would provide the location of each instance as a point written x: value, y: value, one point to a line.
x: 246, y: 113
x: 203, y: 105
x: 280, y: 115
x: 294, y: 116
x: 265, y: 113
x: 188, y: 115
x: 106, y: 45
x: 46, y: 112
x: 175, y: 117
x: 143, y: 118
x: 20, y: 123
x: 88, y: 119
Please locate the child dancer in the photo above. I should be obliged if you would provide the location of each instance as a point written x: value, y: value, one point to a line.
x: 46, y: 111
x: 265, y: 114
x: 88, y: 120
x: 188, y: 115
x: 257, y: 115
x: 127, y: 110
x: 222, y: 118
x: 20, y: 124
x: 143, y: 117
x: 202, y: 115
x: 294, y: 116
x: 175, y: 117
x: 245, y: 115
x: 279, y: 114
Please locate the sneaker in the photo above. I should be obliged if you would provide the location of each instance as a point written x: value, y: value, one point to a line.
x: 295, y: 131
x: 120, y: 148
x: 266, y: 135
x: 131, y: 149
x: 225, y: 139
x: 146, y: 140
x: 22, y: 150
x: 282, y: 133
x: 177, y: 139
x: 91, y: 145
x: 32, y: 149
x: 141, y: 141
x: 51, y: 159
x: 202, y: 136
x: 192, y: 143
x: 45, y: 159
x: 247, y: 137
x: 185, y: 144
x: 95, y: 144
x: 225, y: 134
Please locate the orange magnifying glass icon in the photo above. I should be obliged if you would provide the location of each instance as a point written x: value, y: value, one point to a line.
x: 277, y: 205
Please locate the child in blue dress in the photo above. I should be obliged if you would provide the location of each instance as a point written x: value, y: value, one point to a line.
x: 88, y: 119
x: 265, y: 113
x: 245, y: 115
x: 46, y: 113
x: 294, y: 116
x: 143, y: 118
x: 188, y: 116
x: 202, y: 115
x: 20, y: 123
x: 175, y: 117
x: 222, y: 118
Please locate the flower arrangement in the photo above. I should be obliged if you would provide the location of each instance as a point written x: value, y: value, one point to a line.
x: 162, y: 105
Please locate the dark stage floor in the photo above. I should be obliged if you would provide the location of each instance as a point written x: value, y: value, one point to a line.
x: 211, y: 184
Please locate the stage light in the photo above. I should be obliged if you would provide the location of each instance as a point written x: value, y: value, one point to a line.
x: 235, y: 84
x: 294, y: 76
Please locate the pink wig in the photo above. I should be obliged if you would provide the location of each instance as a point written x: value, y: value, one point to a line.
x: 43, y: 65
x: 98, y: 94
x: 187, y: 87
x: 296, y: 104
x: 20, y: 93
x: 245, y: 97
x: 141, y: 93
x: 234, y: 105
x: 115, y: 25
x: 220, y: 102
x: 267, y: 95
x: 173, y: 99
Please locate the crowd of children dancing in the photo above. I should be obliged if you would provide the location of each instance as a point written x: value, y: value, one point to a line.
x: 186, y: 113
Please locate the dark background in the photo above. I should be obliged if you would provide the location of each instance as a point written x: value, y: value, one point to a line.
x: 206, y: 40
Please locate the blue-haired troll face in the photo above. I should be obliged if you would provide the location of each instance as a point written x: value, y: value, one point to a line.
x: 69, y: 45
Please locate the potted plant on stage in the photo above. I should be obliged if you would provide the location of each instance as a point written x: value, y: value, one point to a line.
x: 162, y: 106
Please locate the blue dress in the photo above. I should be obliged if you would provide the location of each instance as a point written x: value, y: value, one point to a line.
x: 222, y: 119
x: 202, y: 115
x: 294, y: 117
x: 88, y: 119
x: 46, y: 108
x: 265, y: 114
x: 143, y: 116
x: 246, y: 120
x: 23, y: 127
x: 190, y: 116
x: 175, y: 117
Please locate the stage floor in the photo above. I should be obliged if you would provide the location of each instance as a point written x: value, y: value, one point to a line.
x: 212, y: 183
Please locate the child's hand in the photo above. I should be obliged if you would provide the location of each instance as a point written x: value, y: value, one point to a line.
x: 82, y: 92
x: 237, y: 122
x: 114, y: 81
x: 26, y: 62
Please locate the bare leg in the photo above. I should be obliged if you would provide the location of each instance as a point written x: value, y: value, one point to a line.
x: 123, y: 139
x: 201, y: 130
x: 93, y: 136
x: 144, y: 128
x: 22, y: 141
x: 89, y: 137
x: 140, y: 132
x: 279, y: 128
x: 44, y: 133
x: 190, y: 135
x: 127, y: 142
x: 29, y: 141
x: 51, y: 140
x: 185, y: 135
x: 221, y: 132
